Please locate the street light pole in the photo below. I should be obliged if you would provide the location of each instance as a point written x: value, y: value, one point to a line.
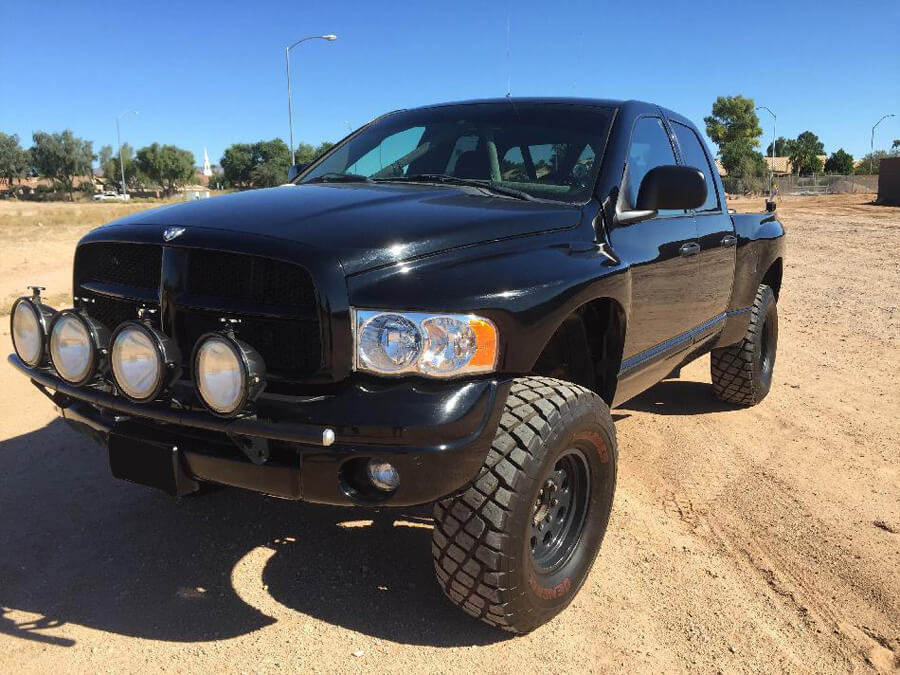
x: 287, y: 64
x: 872, y: 143
x: 119, y: 141
x: 771, y: 168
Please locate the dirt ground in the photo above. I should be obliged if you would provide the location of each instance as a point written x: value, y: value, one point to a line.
x: 761, y: 540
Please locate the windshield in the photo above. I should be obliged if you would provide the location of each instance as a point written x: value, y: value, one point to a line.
x: 544, y: 150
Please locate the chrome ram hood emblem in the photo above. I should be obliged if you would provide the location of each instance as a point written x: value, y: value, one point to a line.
x: 171, y: 233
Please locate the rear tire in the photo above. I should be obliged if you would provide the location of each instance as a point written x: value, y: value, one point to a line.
x: 742, y: 373
x: 514, y: 548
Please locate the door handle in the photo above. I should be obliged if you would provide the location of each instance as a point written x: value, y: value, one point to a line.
x: 689, y: 249
x: 728, y: 240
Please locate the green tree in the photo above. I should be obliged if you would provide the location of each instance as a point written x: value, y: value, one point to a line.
x: 238, y: 163
x: 61, y: 157
x: 166, y: 166
x: 869, y: 164
x: 733, y: 120
x: 106, y: 153
x: 804, y: 154
x: 261, y: 164
x: 307, y: 152
x: 748, y: 172
x: 273, y: 159
x: 896, y: 144
x: 109, y: 163
x: 13, y: 159
x: 734, y: 127
x: 783, y: 147
x: 840, y: 162
x: 217, y: 180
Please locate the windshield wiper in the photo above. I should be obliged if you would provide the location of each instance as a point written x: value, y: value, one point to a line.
x: 336, y: 177
x: 471, y: 182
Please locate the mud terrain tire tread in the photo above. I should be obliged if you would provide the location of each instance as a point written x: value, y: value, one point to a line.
x: 470, y: 542
x: 735, y: 370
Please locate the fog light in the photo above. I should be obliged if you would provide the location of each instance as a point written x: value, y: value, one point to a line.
x: 228, y: 373
x: 383, y: 475
x: 29, y: 323
x: 78, y: 346
x: 144, y: 361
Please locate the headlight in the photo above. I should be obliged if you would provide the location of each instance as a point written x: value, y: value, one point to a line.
x: 228, y: 373
x: 78, y: 346
x: 389, y: 343
x: 436, y: 345
x: 144, y: 361
x: 29, y: 320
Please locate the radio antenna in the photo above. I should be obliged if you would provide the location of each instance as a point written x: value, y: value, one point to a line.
x: 508, y: 63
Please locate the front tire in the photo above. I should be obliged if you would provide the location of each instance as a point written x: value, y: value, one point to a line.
x: 514, y: 548
x: 742, y: 373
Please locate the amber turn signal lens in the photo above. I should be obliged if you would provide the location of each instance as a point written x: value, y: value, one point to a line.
x: 486, y: 343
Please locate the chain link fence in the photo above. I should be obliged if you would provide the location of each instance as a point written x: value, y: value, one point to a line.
x: 825, y: 184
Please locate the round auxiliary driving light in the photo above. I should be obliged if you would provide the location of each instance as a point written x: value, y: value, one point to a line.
x: 383, y: 475
x: 144, y: 361
x: 228, y: 373
x: 29, y: 320
x: 78, y: 346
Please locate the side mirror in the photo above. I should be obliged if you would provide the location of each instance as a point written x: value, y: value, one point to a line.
x: 296, y: 170
x: 671, y: 187
x: 771, y: 206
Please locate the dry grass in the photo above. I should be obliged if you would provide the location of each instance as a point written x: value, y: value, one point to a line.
x: 24, y: 221
x: 38, y: 240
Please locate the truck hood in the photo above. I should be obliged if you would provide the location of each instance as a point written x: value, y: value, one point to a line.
x: 364, y: 225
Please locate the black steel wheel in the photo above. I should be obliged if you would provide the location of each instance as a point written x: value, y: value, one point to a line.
x: 559, y: 510
x: 514, y: 548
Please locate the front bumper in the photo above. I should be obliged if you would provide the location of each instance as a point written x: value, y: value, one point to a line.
x: 437, y: 435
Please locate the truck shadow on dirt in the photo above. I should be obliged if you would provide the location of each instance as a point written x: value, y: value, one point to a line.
x: 678, y: 397
x: 80, y: 547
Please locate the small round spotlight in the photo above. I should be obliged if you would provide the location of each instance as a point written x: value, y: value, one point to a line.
x: 144, y: 361
x: 228, y: 373
x: 78, y: 346
x: 29, y: 321
x: 383, y: 475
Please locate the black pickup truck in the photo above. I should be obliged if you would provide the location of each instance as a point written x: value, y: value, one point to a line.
x: 443, y: 308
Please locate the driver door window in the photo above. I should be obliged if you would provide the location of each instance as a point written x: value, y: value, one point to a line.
x: 650, y: 148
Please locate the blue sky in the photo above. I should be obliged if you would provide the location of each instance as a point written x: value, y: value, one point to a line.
x: 210, y: 74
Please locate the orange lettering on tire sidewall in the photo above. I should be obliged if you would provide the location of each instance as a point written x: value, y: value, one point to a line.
x: 549, y: 593
x: 597, y: 441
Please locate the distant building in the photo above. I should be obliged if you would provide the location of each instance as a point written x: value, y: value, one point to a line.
x: 782, y: 165
x: 889, y: 181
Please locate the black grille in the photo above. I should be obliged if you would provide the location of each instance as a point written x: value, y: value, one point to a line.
x: 112, y: 311
x: 276, y: 301
x: 124, y: 264
x: 290, y: 349
x: 249, y: 279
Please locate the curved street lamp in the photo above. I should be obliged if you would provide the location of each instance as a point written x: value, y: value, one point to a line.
x: 287, y: 63
x: 771, y: 168
x: 119, y: 141
x: 872, y: 142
